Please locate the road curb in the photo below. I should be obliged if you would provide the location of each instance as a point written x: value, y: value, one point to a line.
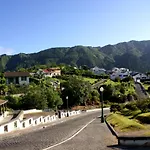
x: 111, y: 128
x: 129, y: 140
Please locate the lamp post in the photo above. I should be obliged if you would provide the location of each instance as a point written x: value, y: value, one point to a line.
x: 66, y: 101
x: 101, y: 98
x: 67, y: 105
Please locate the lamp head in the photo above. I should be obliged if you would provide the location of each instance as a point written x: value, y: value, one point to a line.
x: 101, y: 89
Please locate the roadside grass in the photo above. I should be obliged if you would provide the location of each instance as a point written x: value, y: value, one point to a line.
x: 91, y: 80
x: 130, y: 114
x: 123, y: 124
x: 143, y: 118
x: 146, y: 86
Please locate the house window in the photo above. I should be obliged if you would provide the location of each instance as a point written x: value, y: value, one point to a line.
x: 23, y: 125
x: 15, y: 124
x: 23, y: 78
x: 6, y: 128
x: 30, y: 121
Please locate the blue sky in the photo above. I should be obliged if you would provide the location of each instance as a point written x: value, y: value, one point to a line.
x: 32, y: 25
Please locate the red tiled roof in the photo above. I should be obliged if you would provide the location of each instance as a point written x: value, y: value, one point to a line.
x: 50, y: 70
x: 16, y: 74
x: 45, y: 70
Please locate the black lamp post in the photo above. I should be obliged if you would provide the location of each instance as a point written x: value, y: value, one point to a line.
x: 101, y: 98
x: 67, y: 106
x: 66, y: 101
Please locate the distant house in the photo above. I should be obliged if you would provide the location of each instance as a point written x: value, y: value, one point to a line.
x: 21, y: 78
x: 139, y: 76
x: 119, y: 73
x: 50, y: 72
x: 98, y: 71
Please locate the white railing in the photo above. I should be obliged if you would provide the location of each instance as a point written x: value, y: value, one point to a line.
x: 20, y: 123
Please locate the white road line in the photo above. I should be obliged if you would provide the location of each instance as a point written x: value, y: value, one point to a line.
x: 70, y: 137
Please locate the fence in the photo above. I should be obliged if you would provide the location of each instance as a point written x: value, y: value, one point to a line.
x: 20, y: 123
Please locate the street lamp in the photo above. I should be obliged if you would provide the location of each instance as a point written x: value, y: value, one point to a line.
x: 101, y: 98
x: 67, y: 106
x: 66, y: 101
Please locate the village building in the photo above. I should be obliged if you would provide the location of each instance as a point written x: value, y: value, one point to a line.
x: 98, y: 71
x: 119, y: 73
x: 139, y: 76
x: 20, y: 78
x: 50, y: 72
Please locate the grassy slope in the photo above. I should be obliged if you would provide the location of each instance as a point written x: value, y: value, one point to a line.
x: 91, y: 80
x: 129, y: 87
x: 123, y: 124
x: 144, y: 118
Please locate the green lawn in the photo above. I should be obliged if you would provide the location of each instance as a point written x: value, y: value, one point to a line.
x: 91, y: 80
x: 123, y: 124
x: 146, y: 86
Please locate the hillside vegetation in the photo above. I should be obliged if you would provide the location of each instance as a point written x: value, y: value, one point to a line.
x: 133, y: 55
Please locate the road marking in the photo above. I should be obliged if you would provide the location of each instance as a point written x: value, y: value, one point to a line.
x: 71, y: 136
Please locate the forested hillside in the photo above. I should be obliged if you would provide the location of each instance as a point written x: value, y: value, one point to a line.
x: 133, y: 55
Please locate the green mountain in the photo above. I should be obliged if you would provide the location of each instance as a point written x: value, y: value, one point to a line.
x: 133, y: 55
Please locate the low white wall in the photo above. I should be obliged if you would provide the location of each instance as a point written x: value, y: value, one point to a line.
x: 97, y: 109
x: 27, y: 123
x: 1, y: 117
x: 31, y: 111
x: 19, y: 123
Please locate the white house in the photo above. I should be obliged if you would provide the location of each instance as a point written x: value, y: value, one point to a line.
x: 119, y: 73
x: 139, y: 76
x: 21, y: 78
x: 98, y: 71
x: 50, y: 72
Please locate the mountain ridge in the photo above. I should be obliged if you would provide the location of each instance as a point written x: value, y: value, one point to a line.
x: 133, y: 55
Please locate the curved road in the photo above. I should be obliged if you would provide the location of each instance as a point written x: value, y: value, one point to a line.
x: 141, y: 92
x: 45, y: 137
x: 95, y: 136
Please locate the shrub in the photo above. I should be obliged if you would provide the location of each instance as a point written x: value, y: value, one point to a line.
x: 148, y: 89
x: 115, y: 107
x: 131, y: 106
x: 144, y: 118
x: 143, y: 105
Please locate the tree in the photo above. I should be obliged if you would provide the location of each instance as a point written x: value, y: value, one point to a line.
x: 13, y: 102
x: 77, y: 91
x: 34, y: 98
x: 3, y: 87
x: 94, y: 97
x: 53, y: 98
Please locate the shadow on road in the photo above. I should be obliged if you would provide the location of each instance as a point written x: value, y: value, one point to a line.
x: 117, y: 147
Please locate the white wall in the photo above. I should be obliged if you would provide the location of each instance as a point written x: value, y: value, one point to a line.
x: 31, y: 111
x: 24, y: 82
x: 17, y: 124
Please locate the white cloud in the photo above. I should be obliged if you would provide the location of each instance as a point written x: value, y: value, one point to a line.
x: 7, y: 51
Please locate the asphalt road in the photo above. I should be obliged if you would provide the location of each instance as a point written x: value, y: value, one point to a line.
x: 141, y: 92
x: 98, y: 84
x: 95, y: 136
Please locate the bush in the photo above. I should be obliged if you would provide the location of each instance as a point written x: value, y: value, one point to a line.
x: 148, y: 89
x: 115, y: 107
x: 144, y: 118
x: 131, y: 106
x: 143, y: 105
